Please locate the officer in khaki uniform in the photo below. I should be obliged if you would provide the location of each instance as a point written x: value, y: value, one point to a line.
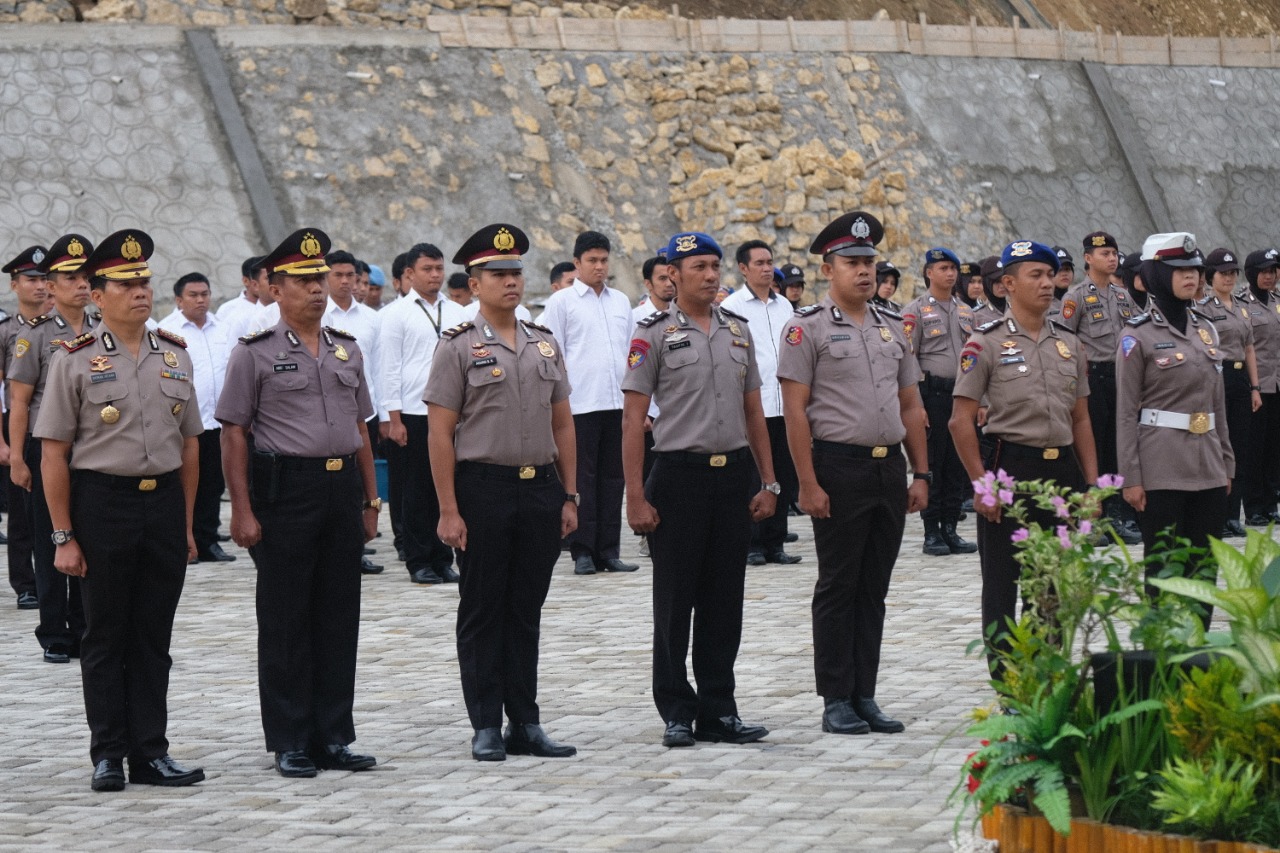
x: 503, y: 457
x: 304, y: 502
x: 1171, y: 423
x: 698, y: 361
x: 1261, y: 477
x: 120, y: 409
x: 1033, y: 376
x: 850, y: 399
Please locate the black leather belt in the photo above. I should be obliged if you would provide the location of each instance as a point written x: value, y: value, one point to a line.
x: 1232, y: 365
x: 317, y: 463
x: 490, y: 471
x: 1103, y: 368
x: 705, y: 460
x: 857, y: 451
x: 1010, y: 450
x: 128, y: 484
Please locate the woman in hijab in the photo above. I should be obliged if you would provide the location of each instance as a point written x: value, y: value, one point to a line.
x: 1258, y: 481
x: 993, y: 305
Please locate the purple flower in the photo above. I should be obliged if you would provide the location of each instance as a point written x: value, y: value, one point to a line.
x: 1006, y: 497
x: 1060, y: 506
x: 1064, y: 536
x: 1086, y: 527
x: 1020, y: 535
x: 988, y: 499
x: 1108, y: 481
x: 1005, y: 479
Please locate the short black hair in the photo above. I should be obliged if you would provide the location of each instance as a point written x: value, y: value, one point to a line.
x: 342, y: 256
x: 743, y: 255
x: 560, y: 269
x: 362, y: 267
x: 649, y: 265
x: 459, y: 281
x: 181, y: 284
x: 398, y: 265
x: 250, y: 266
x: 421, y: 250
x: 589, y: 240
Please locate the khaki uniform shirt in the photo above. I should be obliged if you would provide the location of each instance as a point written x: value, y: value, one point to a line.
x: 936, y: 331
x: 1030, y: 385
x: 854, y: 373
x: 503, y: 396
x: 1265, y: 319
x: 1096, y: 316
x: 1159, y: 367
x: 10, y: 328
x: 1235, y: 331
x: 122, y: 416
x: 295, y: 403
x: 698, y: 379
x: 33, y: 349
x: 985, y: 312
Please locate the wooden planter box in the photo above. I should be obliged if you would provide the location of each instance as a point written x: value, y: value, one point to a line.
x: 1016, y: 831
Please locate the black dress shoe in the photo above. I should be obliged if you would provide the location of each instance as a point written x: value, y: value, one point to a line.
x: 224, y: 537
x: 791, y: 537
x: 1128, y: 532
x: 295, y: 764
x: 530, y: 739
x: 756, y: 558
x: 28, y: 601
x: 215, y: 554
x: 57, y: 654
x: 163, y: 771
x: 336, y: 756
x: 934, y: 546
x: 368, y: 567
x: 868, y: 710
x: 1257, y: 520
x: 486, y: 745
x: 678, y: 733
x: 108, y: 775
x: 425, y: 576
x: 448, y: 575
x: 1232, y: 528
x: 369, y: 551
x: 839, y: 718
x: 955, y: 543
x: 782, y: 558
x: 613, y: 564
x: 728, y: 729
x: 584, y: 565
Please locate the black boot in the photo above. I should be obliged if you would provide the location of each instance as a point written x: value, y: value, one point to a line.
x: 934, y: 545
x: 953, y: 540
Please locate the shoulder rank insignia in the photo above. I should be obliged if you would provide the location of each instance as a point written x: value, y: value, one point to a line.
x: 1139, y: 320
x: 726, y: 312
x: 646, y: 322
x: 1062, y: 327
x: 36, y: 321
x: 172, y: 338
x: 1203, y: 316
x: 532, y: 325
x: 79, y: 343
x: 342, y: 333
x: 454, y: 331
x: 255, y: 336
x: 808, y: 309
x: 988, y: 327
x: 886, y: 312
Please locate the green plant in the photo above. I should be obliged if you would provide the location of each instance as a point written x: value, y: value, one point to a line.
x: 1209, y: 796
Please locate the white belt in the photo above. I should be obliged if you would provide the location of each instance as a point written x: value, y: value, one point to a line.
x: 1196, y: 422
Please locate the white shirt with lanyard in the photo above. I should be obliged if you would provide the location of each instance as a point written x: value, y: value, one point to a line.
x: 407, y: 342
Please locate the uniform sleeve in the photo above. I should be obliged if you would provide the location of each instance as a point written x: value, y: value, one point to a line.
x: 364, y: 401
x: 562, y: 389
x: 1129, y: 381
x: 1082, y: 369
x: 799, y: 360
x: 447, y: 380
x: 25, y: 367
x: 642, y: 363
x: 911, y: 328
x: 1070, y: 316
x: 974, y: 372
x: 238, y: 402
x: 752, y: 381
x: 60, y: 411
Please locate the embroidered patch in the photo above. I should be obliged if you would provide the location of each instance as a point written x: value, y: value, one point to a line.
x: 639, y: 351
x: 794, y: 336
x: 1068, y: 309
x: 967, y: 362
x: 1127, y: 343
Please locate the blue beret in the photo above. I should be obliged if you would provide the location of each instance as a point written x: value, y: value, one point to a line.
x: 1028, y: 250
x: 692, y: 243
x: 376, y: 276
x: 939, y: 254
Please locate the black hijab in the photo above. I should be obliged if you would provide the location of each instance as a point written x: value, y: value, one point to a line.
x: 1129, y: 271
x: 1157, y: 277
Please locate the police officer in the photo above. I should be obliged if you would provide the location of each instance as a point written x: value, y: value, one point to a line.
x: 1171, y: 427
x: 995, y: 301
x: 1034, y: 376
x: 888, y: 278
x: 698, y: 360
x: 1261, y: 477
x: 1096, y: 310
x: 1063, y: 280
x: 120, y: 409
x: 303, y: 503
x: 937, y: 325
x: 849, y: 388
x: 503, y: 459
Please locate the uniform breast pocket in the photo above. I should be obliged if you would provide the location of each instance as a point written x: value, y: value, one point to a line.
x: 479, y: 377
x: 290, y: 381
x: 178, y: 395
x: 1005, y: 373
x: 113, y: 395
x: 547, y: 370
x: 350, y: 381
x: 845, y: 358
x: 1171, y: 361
x: 933, y: 335
x: 681, y: 358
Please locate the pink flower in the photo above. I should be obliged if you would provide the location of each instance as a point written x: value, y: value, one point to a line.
x: 1109, y: 481
x: 1005, y: 479
x: 1006, y: 497
x: 1020, y: 535
x: 988, y: 499
x: 1086, y: 527
x: 1060, y: 507
x: 1064, y: 536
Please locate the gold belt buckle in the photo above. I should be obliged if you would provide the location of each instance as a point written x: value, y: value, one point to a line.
x: 333, y: 464
x: 1238, y: 365
x: 1199, y: 423
x: 718, y: 460
x: 1051, y: 453
x: 146, y: 485
x: 879, y: 452
x: 527, y: 472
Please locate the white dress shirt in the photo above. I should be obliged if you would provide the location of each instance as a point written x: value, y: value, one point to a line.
x: 233, y: 308
x: 209, y: 349
x: 594, y: 332
x: 407, y: 342
x: 768, y: 321
x: 363, y: 322
x: 470, y: 311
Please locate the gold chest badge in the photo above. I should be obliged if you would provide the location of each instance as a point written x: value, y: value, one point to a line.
x: 171, y: 358
x: 546, y: 349
x: 885, y: 334
x: 110, y: 414
x: 1204, y: 336
x: 1063, y: 349
x: 340, y: 353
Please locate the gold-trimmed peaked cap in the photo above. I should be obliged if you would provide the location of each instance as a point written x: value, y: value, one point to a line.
x: 301, y: 253
x: 27, y: 263
x: 121, y: 257
x: 494, y: 247
x: 855, y: 234
x: 67, y: 254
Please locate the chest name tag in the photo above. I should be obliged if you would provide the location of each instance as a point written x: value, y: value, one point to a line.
x: 841, y: 337
x: 284, y: 368
x: 102, y: 377
x: 679, y: 345
x: 484, y: 362
x: 1166, y: 345
x: 1017, y: 359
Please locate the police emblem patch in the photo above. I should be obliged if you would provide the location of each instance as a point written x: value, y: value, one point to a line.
x: 639, y: 352
x: 967, y: 362
x: 794, y: 336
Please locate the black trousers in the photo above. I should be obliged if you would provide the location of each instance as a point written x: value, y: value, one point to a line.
x: 394, y: 454
x: 1194, y: 516
x: 1001, y: 570
x: 22, y: 574
x: 308, y: 602
x: 771, y: 533
x: 1239, y: 417
x: 135, y: 550
x: 1102, y: 417
x: 857, y: 547
x: 61, y: 612
x: 422, y: 546
x: 1261, y: 474
x: 699, y: 552
x: 208, y: 504
x: 950, y: 484
x: 600, y: 483
x: 513, y: 542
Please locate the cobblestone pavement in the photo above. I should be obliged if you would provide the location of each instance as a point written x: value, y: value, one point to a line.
x: 798, y: 790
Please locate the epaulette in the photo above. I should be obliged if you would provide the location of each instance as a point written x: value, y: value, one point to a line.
x: 342, y: 333
x: 36, y: 321
x: 1062, y: 326
x: 729, y: 313
x: 541, y: 328
x: 80, y: 342
x: 885, y: 312
x: 646, y: 322
x: 808, y: 309
x: 255, y: 336
x: 1203, y: 316
x: 988, y: 327
x: 1139, y: 320
x: 1206, y: 300
x: 454, y: 331
x: 169, y: 336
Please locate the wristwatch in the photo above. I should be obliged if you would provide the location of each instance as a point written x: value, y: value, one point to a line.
x: 772, y: 488
x: 62, y: 537
x: 376, y: 503
x: 1255, y: 387
x: 573, y: 496
x: 927, y: 476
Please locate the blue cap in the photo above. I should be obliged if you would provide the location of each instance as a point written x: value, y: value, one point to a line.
x: 692, y: 243
x: 376, y: 276
x: 939, y: 254
x: 777, y: 275
x: 1028, y: 250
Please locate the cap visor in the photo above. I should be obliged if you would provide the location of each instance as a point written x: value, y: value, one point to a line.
x: 1185, y: 262
x: 856, y: 251
x: 500, y: 265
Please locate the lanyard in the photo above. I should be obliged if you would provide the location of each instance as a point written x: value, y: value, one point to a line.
x: 435, y: 323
